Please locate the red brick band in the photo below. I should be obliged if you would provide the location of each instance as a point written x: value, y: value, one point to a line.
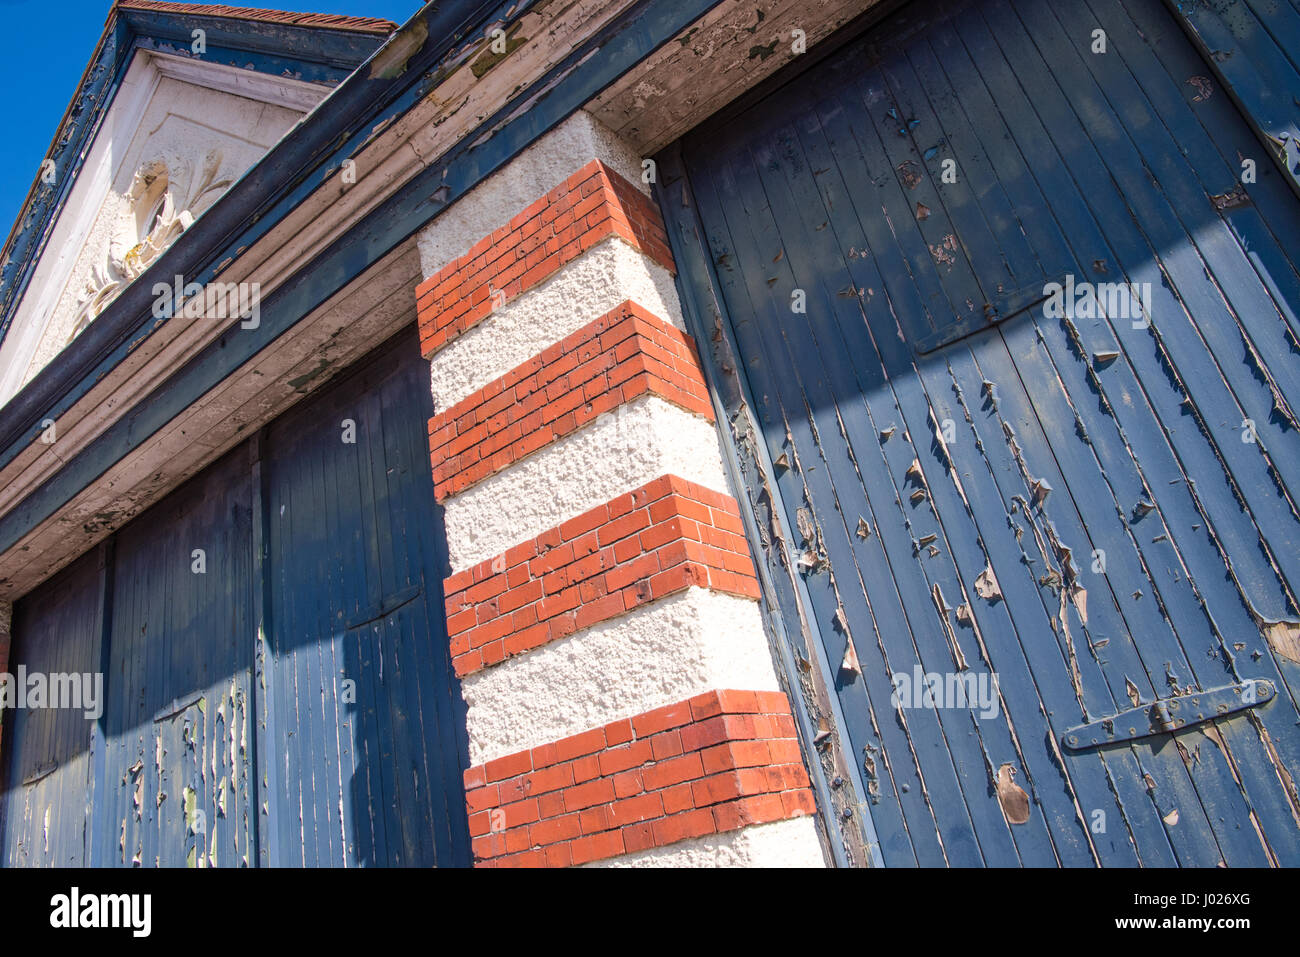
x: 654, y: 541
x: 715, y: 763
x: 592, y: 204
x: 626, y: 353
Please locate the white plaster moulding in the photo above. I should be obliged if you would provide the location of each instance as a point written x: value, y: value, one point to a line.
x: 283, y: 91
x: 79, y: 212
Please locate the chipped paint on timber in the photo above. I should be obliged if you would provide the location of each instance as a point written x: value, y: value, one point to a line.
x: 390, y: 62
x: 831, y: 753
x: 490, y: 58
x: 1084, y: 407
x: 1011, y: 796
x: 1284, y: 638
x: 300, y: 382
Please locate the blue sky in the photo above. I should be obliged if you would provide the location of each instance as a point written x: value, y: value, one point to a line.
x: 44, y: 48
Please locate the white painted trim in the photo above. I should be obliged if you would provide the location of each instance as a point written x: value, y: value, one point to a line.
x: 101, y: 169
x: 74, y: 223
x: 291, y: 94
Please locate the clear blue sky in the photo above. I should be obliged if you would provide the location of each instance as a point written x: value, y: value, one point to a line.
x: 44, y: 47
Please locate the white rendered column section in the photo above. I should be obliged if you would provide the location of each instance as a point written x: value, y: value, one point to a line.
x: 790, y: 843
x: 599, y: 280
x: 658, y: 654
x: 530, y: 176
x: 610, y: 456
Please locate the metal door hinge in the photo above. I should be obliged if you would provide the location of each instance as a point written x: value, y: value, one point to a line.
x: 386, y: 607
x: 1166, y: 715
x: 1004, y: 305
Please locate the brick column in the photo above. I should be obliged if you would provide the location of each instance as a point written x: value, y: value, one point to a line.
x: 623, y: 707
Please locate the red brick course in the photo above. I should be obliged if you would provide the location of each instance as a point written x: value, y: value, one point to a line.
x: 624, y: 354
x: 591, y: 205
x: 714, y: 763
x: 654, y: 541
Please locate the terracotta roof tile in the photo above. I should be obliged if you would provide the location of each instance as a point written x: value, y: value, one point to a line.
x: 329, y: 21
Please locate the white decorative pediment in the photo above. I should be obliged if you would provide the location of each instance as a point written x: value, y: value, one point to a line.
x: 178, y: 134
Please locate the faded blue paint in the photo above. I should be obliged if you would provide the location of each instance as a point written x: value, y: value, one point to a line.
x: 217, y: 748
x: 1252, y: 52
x: 1065, y: 436
x: 47, y: 761
x: 180, y: 718
x: 356, y: 595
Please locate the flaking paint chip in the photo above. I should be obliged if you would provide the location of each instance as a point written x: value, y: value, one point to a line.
x: 986, y: 585
x: 1283, y: 637
x: 850, y: 661
x: 803, y: 520
x: 1011, y: 796
x: 864, y: 530
x: 1041, y: 488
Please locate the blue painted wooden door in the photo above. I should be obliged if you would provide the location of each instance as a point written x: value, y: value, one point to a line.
x: 1253, y: 49
x: 277, y: 681
x: 366, y: 720
x: 1096, y: 508
x: 178, y: 782
x: 47, y: 794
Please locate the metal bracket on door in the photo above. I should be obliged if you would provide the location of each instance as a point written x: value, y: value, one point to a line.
x: 1166, y: 715
x: 1004, y: 306
x: 177, y: 706
x: 41, y: 771
x: 386, y: 607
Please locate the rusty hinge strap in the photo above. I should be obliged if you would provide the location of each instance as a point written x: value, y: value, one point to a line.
x: 1166, y: 715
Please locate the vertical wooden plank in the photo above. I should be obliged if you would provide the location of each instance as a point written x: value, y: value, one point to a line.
x: 95, y: 850
x: 832, y: 188
x: 47, y: 756
x: 1256, y: 70
x: 353, y: 537
x: 265, y: 768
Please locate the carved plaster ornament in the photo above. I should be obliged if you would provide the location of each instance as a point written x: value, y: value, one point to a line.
x: 152, y: 222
